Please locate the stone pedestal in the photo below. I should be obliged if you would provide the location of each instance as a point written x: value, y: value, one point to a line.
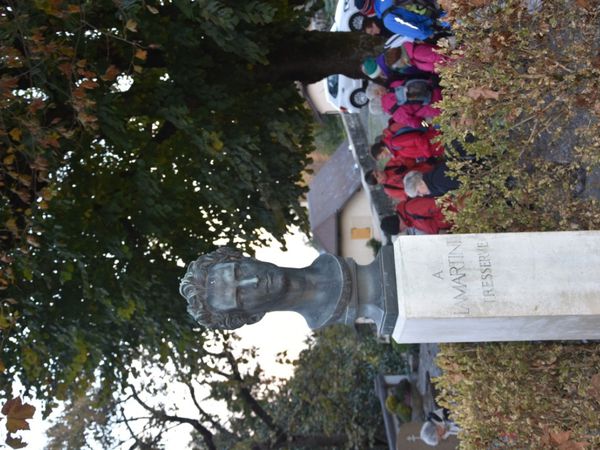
x: 498, y: 287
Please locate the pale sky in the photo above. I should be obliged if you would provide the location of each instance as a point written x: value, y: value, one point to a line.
x: 280, y: 331
x: 276, y: 332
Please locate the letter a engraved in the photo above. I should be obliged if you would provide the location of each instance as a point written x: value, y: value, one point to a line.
x: 439, y: 274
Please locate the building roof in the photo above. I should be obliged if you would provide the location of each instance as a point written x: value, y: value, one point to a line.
x: 329, y: 191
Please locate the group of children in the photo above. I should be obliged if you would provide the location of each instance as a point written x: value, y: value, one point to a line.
x: 404, y: 85
x: 410, y: 160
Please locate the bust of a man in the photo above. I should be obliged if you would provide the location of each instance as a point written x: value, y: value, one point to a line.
x: 225, y: 289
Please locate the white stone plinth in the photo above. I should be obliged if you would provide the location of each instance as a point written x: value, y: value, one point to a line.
x: 498, y: 287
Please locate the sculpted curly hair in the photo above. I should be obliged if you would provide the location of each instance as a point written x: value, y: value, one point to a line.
x: 193, y: 289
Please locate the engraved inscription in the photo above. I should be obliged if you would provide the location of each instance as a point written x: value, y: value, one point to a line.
x: 462, y: 267
x: 485, y: 269
x: 456, y: 271
x: 439, y: 274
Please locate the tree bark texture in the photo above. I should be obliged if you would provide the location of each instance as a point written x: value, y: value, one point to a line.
x: 312, y: 55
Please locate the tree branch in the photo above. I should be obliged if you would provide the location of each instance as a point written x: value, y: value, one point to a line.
x: 137, y: 442
x: 206, y: 415
x: 249, y: 399
x: 188, y: 383
x: 206, y: 434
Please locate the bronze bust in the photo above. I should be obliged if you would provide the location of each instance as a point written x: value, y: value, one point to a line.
x: 225, y: 289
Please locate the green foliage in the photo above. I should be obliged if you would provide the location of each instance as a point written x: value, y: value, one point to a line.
x: 329, y: 134
x: 522, y: 395
x: 332, y: 390
x: 526, y: 87
x: 159, y: 385
x: 329, y: 402
x: 134, y: 136
x: 82, y: 418
x: 516, y: 85
x: 374, y: 245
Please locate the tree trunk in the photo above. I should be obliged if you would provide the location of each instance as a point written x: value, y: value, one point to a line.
x: 310, y: 56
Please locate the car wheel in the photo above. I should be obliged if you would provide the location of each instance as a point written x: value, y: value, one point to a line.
x: 359, y: 98
x: 356, y: 22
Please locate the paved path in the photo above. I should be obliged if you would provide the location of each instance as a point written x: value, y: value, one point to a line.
x: 362, y: 130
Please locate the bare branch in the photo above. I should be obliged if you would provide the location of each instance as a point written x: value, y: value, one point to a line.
x: 189, y: 384
x: 246, y: 395
x: 215, y: 423
x: 206, y: 434
x: 137, y: 442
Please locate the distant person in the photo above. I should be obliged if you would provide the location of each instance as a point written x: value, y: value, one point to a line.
x: 420, y: 215
x: 438, y: 427
x: 396, y: 137
x: 391, y: 178
x: 432, y: 184
x: 409, y: 144
x: 393, y: 65
x: 383, y: 156
x: 374, y: 26
x: 421, y: 56
x: 380, y: 153
x: 409, y: 102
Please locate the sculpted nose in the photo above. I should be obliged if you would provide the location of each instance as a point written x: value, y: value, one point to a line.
x: 248, y: 282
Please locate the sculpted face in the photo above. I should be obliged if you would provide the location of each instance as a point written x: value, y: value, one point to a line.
x: 248, y: 285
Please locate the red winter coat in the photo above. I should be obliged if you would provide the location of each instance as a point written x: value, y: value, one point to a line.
x: 413, y: 144
x: 393, y: 185
x: 423, y: 214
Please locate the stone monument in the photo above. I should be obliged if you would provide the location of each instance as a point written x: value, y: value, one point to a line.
x: 440, y: 288
x: 498, y: 287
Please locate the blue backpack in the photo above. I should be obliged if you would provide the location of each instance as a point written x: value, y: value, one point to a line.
x: 411, y: 18
x: 415, y: 91
x: 423, y: 7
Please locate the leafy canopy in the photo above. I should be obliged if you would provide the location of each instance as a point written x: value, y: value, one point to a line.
x: 133, y: 136
x: 328, y: 403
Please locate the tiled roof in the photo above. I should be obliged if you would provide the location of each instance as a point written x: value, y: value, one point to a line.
x: 329, y: 191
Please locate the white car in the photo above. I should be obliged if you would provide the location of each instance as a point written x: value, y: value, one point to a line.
x: 344, y: 93
x: 347, y: 17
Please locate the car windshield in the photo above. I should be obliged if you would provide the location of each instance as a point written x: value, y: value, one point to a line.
x: 332, y: 85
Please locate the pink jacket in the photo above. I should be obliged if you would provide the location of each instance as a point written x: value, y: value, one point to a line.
x: 410, y: 115
x: 423, y: 56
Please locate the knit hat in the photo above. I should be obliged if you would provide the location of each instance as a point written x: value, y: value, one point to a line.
x: 390, y: 225
x: 370, y: 68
